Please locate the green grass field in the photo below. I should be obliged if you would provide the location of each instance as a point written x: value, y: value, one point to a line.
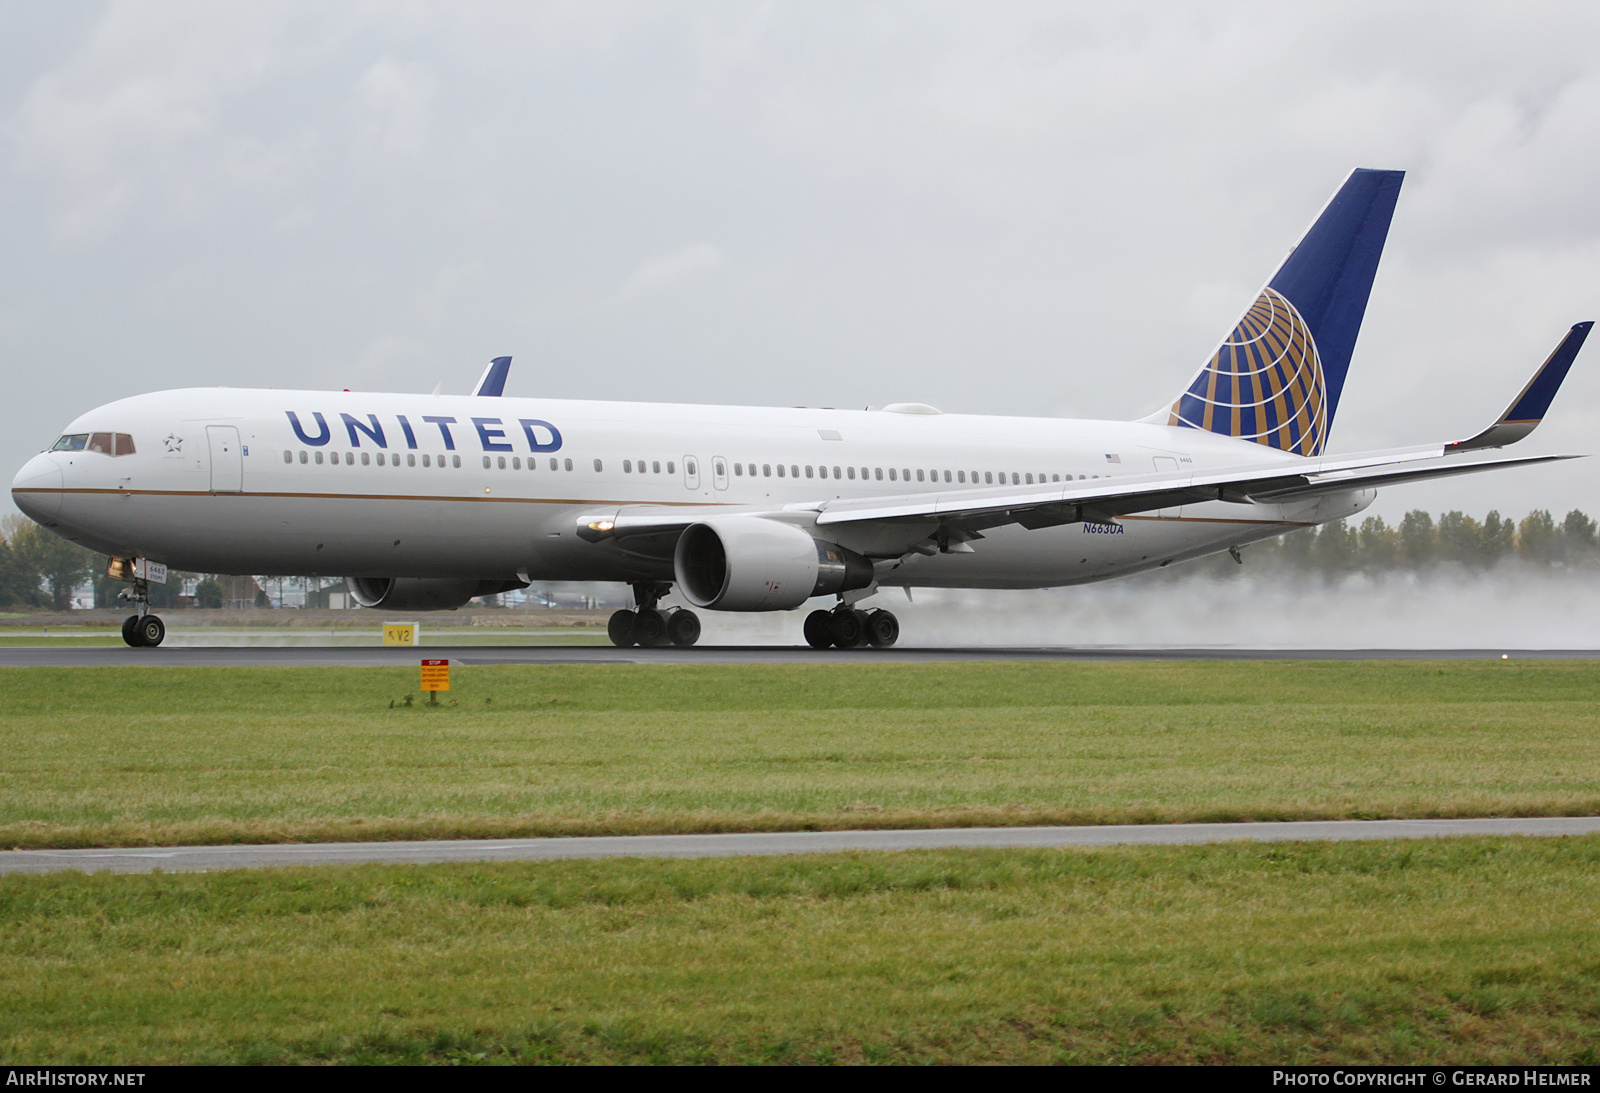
x: 127, y: 756
x: 1455, y: 950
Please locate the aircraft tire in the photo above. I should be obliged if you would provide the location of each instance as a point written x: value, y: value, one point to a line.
x: 683, y: 628
x: 619, y: 628
x: 849, y: 628
x: 130, y: 632
x: 819, y: 629
x: 151, y: 631
x: 883, y: 629
x: 650, y: 629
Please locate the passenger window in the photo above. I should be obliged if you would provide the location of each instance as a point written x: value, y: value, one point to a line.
x: 627, y: 466
x: 655, y: 466
x: 516, y: 462
x: 288, y: 456
x: 1030, y: 479
x: 836, y: 472
x: 961, y: 476
x: 852, y: 473
x: 689, y: 469
x: 892, y: 476
x: 426, y: 462
x: 553, y: 464
x: 568, y: 464
x: 988, y: 477
x: 485, y: 462
x: 672, y: 468
x: 720, y: 472
x: 780, y: 470
x: 766, y: 470
x: 738, y: 470
x: 366, y: 460
x: 598, y: 466
x: 411, y: 460
x: 877, y: 472
x: 455, y: 461
x: 319, y: 458
x: 794, y: 471
x: 500, y: 463
x: 808, y: 471
x: 381, y: 460
x: 919, y: 475
x: 302, y: 457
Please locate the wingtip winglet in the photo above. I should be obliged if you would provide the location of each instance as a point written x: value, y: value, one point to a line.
x: 492, y: 384
x: 1527, y: 410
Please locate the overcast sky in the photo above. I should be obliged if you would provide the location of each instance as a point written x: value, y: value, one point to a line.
x: 1001, y: 208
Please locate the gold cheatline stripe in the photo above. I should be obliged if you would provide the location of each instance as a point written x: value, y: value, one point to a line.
x: 1215, y: 520
x: 535, y: 500
x: 369, y: 497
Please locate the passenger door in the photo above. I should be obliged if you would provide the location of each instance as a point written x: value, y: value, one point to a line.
x: 227, y: 459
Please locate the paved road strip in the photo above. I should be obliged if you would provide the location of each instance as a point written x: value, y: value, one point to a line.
x: 189, y: 859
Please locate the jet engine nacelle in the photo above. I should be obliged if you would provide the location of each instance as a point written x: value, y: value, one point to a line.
x: 747, y: 563
x: 422, y: 593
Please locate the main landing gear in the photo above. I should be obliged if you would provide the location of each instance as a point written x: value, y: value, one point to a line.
x: 650, y: 627
x: 144, y: 630
x: 848, y: 628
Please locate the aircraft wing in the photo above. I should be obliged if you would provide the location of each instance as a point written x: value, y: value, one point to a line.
x: 963, y: 514
x: 1101, y: 501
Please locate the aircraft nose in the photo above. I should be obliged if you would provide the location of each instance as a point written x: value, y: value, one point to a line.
x: 36, y: 489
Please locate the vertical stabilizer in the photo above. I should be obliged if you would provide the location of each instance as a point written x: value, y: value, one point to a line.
x: 1276, y: 378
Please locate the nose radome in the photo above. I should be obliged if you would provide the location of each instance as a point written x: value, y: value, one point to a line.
x: 36, y: 489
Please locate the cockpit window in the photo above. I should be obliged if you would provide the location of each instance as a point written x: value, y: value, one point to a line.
x: 105, y: 443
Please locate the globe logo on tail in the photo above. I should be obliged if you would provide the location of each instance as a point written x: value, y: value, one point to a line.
x: 1264, y: 383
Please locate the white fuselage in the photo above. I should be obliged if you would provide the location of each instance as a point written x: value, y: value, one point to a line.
x: 395, y: 485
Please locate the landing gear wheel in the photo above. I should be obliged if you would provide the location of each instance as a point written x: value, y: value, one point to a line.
x: 849, y: 628
x: 151, y: 631
x: 619, y: 628
x: 883, y: 629
x: 650, y: 628
x: 683, y: 628
x: 130, y: 631
x: 819, y: 629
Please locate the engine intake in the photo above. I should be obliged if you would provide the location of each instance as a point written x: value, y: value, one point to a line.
x: 748, y: 563
x: 422, y: 593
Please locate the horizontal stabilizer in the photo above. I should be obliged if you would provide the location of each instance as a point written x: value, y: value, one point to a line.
x: 1528, y: 408
x: 492, y: 384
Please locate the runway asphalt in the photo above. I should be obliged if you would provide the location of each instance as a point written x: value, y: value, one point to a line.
x: 192, y: 859
x: 378, y: 656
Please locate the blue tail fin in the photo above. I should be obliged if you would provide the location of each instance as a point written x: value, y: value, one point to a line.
x: 1276, y: 378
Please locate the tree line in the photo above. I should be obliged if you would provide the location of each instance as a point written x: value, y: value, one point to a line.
x: 1421, y: 544
x: 39, y: 569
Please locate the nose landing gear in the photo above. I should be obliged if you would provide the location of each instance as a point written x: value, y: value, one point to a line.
x: 144, y: 630
x: 649, y: 627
